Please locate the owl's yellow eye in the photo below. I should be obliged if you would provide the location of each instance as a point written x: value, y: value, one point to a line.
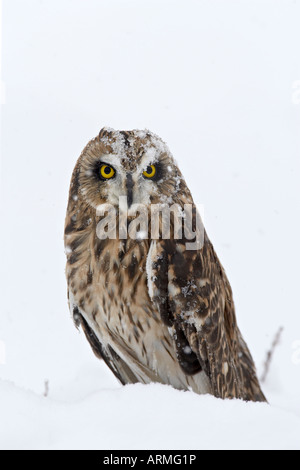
x: 107, y: 172
x: 150, y: 171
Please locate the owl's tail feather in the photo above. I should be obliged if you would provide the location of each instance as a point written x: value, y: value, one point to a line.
x: 249, y: 378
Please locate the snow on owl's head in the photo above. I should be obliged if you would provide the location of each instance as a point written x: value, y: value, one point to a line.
x: 133, y: 164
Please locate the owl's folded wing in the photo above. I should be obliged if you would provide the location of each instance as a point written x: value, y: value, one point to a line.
x: 194, y: 298
x: 116, y: 364
x: 132, y: 372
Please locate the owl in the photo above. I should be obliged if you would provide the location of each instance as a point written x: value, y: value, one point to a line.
x: 154, y: 308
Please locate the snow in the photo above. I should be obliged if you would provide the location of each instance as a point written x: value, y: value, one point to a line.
x: 101, y: 419
x: 219, y: 82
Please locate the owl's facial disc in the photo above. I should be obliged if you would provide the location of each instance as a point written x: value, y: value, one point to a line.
x: 138, y: 184
x: 134, y: 165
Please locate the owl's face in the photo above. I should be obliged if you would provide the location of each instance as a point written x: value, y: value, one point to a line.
x: 132, y: 164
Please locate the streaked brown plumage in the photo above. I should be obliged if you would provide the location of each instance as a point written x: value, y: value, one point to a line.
x: 153, y: 310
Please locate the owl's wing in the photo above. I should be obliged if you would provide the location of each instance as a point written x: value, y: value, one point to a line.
x: 125, y: 373
x: 191, y: 291
x: 116, y: 364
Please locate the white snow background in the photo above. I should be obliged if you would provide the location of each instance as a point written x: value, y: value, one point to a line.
x: 219, y: 81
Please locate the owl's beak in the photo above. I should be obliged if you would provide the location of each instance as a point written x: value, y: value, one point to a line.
x: 129, y: 187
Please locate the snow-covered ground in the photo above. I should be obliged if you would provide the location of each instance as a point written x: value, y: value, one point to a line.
x: 142, y: 417
x: 220, y: 82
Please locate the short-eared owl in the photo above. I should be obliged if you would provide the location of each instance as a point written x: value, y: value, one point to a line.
x: 155, y: 309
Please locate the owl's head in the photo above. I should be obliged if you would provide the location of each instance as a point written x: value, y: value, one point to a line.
x: 136, y: 164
